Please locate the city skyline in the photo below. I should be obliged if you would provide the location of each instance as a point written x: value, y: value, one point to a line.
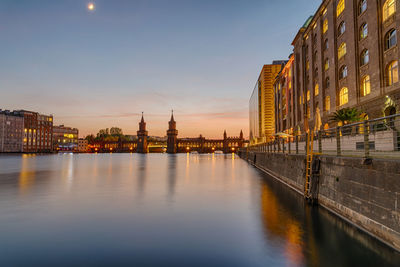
x: 102, y: 68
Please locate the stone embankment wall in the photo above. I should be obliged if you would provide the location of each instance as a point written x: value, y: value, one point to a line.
x: 366, y: 194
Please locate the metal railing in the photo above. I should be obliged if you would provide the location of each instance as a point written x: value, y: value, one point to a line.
x: 376, y: 138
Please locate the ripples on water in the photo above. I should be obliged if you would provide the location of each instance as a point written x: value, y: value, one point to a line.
x: 165, y: 210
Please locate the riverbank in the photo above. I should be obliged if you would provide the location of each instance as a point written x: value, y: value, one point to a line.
x: 364, y: 193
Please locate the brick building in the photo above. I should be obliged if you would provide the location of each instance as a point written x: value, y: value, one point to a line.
x: 65, y: 138
x: 346, y: 55
x: 11, y: 131
x: 38, y: 132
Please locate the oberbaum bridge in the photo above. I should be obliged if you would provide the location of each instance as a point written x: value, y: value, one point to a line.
x: 173, y: 144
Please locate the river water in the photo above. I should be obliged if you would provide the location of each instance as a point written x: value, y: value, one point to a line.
x: 166, y: 210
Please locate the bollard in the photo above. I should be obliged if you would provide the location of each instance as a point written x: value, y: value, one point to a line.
x: 366, y: 138
x: 320, y: 142
x: 338, y: 148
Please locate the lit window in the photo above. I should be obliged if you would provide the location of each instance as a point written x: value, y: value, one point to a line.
x: 363, y: 31
x: 390, y: 39
x: 324, y: 12
x: 343, y: 72
x: 340, y: 7
x: 308, y: 112
x: 342, y: 50
x: 389, y: 8
x: 308, y: 95
x: 365, y: 86
x: 307, y: 65
x: 342, y: 28
x: 326, y: 64
x: 325, y: 26
x: 363, y: 6
x: 316, y: 89
x: 327, y: 103
x: 392, y: 73
x: 326, y: 44
x: 364, y: 57
x: 343, y: 96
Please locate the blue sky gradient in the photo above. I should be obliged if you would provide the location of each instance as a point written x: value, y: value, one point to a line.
x: 101, y: 69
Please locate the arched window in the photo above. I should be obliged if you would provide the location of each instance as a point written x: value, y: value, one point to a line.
x: 326, y: 44
x: 363, y: 6
x: 343, y: 96
x: 390, y: 39
x: 343, y: 72
x: 326, y: 64
x: 364, y: 59
x: 342, y: 50
x: 316, y: 89
x: 325, y: 26
x: 327, y: 82
x: 389, y: 8
x: 392, y: 73
x: 342, y: 28
x: 327, y: 103
x: 308, y: 95
x: 363, y: 31
x: 340, y: 7
x: 365, y: 86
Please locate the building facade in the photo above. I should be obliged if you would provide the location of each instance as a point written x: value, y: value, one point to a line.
x: 38, y: 132
x: 346, y: 55
x: 83, y: 145
x: 65, y: 138
x: 285, y: 104
x: 262, y: 109
x: 11, y: 131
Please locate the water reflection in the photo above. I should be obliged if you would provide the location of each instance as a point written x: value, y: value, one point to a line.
x: 27, y: 174
x: 172, y: 169
x: 166, y: 210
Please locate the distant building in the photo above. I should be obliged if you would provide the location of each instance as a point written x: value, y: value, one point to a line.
x: 11, y: 131
x: 83, y: 145
x: 65, y: 138
x: 38, y: 132
x: 142, y: 135
x: 262, y: 110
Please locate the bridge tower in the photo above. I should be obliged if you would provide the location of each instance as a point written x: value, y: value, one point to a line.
x: 142, y: 135
x: 225, y: 143
x: 172, y: 135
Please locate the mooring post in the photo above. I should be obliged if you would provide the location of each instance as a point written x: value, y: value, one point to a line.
x: 338, y: 147
x: 366, y: 138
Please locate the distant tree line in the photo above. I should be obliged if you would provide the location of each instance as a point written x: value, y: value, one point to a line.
x: 108, y: 135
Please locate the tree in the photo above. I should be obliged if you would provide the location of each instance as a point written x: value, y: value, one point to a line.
x: 116, y: 131
x: 90, y: 138
x: 347, y: 115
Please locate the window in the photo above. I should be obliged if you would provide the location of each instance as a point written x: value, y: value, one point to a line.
x: 307, y: 65
x: 363, y: 31
x: 316, y: 89
x: 340, y: 7
x: 388, y: 9
x: 327, y: 103
x: 343, y: 96
x: 325, y: 26
x: 363, y: 6
x: 326, y: 64
x: 390, y: 39
x: 343, y: 72
x: 365, y: 86
x: 342, y: 50
x: 364, y: 57
x: 326, y: 44
x: 392, y: 73
x: 308, y: 95
x: 327, y: 82
x: 342, y: 28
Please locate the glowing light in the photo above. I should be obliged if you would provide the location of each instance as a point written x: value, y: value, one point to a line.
x: 91, y: 6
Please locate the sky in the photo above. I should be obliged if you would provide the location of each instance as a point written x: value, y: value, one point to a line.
x: 102, y: 68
